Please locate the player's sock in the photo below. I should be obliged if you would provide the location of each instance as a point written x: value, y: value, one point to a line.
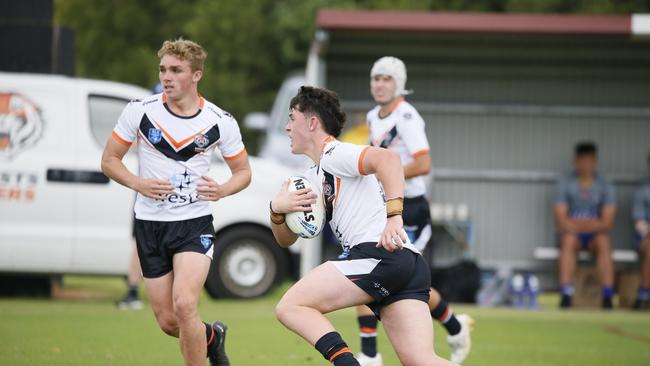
x: 608, y: 293
x: 368, y: 334
x: 446, y: 317
x: 567, y: 290
x: 335, y: 350
x: 642, y: 298
x: 133, y: 291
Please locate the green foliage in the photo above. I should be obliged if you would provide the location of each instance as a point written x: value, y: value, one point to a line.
x: 251, y: 45
x: 117, y: 40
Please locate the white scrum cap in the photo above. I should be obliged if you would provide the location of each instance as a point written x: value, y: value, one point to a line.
x: 394, y: 67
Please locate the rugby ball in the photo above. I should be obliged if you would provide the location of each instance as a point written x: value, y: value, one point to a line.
x: 306, y: 224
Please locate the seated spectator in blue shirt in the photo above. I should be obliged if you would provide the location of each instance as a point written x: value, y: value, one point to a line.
x: 641, y: 217
x: 585, y: 205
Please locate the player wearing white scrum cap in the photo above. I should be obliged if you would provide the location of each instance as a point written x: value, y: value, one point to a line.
x: 394, y: 124
x: 393, y: 67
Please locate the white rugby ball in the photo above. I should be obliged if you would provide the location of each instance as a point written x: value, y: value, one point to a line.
x: 306, y: 224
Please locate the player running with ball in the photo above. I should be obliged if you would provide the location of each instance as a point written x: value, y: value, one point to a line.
x: 382, y: 269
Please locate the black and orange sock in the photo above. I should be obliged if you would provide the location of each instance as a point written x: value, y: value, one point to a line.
x: 335, y: 350
x: 368, y: 334
x: 446, y: 317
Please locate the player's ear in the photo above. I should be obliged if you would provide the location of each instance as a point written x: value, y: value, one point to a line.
x: 196, y: 77
x: 313, y: 122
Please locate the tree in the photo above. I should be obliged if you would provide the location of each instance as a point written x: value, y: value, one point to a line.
x: 251, y: 45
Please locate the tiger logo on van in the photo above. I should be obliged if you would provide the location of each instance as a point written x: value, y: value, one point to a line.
x: 21, y: 125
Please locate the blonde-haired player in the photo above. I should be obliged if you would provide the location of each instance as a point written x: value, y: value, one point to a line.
x: 177, y: 131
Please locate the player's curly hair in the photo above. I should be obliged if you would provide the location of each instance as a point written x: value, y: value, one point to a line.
x: 185, y: 50
x: 322, y: 103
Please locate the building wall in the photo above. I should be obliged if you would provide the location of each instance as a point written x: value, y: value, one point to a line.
x: 504, y: 168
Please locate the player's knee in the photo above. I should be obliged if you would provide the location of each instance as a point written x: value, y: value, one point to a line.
x: 603, y: 238
x: 568, y: 242
x: 603, y: 244
x: 184, y: 308
x: 168, y: 325
x: 282, y: 311
x: 645, y: 256
x: 567, y: 237
x: 644, y: 249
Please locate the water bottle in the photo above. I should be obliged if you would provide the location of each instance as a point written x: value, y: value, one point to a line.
x: 517, y: 285
x: 532, y: 289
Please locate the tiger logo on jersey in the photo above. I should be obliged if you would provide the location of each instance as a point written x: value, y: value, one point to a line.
x: 201, y: 141
x: 21, y: 124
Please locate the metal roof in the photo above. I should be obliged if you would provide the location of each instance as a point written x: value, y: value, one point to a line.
x: 511, y: 23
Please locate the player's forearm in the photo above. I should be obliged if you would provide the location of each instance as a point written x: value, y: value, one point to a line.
x: 421, y: 165
x: 239, y: 180
x: 115, y: 169
x: 593, y: 225
x: 283, y: 235
x: 602, y: 225
x: 564, y: 225
x: 415, y: 170
x: 562, y: 222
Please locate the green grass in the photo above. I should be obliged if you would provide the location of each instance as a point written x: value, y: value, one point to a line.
x: 83, y: 327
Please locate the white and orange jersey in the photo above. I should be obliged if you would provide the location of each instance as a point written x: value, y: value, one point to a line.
x: 178, y: 149
x: 401, y: 131
x: 354, y: 202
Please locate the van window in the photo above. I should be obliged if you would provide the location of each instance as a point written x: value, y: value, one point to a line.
x: 104, y: 112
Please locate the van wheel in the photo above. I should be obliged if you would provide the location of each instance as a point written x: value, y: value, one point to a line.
x: 246, y: 263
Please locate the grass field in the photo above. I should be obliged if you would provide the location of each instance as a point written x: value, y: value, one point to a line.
x: 83, y: 327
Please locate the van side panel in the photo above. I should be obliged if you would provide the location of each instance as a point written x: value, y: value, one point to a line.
x: 36, y: 210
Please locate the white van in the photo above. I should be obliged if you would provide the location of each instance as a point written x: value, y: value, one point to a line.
x: 59, y: 214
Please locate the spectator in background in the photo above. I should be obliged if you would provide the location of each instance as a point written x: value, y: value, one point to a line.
x: 641, y: 217
x: 585, y: 205
x: 132, y: 299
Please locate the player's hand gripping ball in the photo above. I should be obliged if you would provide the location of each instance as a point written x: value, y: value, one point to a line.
x: 306, y: 224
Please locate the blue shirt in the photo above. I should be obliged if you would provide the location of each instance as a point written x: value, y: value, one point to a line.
x: 641, y: 203
x: 585, y: 203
